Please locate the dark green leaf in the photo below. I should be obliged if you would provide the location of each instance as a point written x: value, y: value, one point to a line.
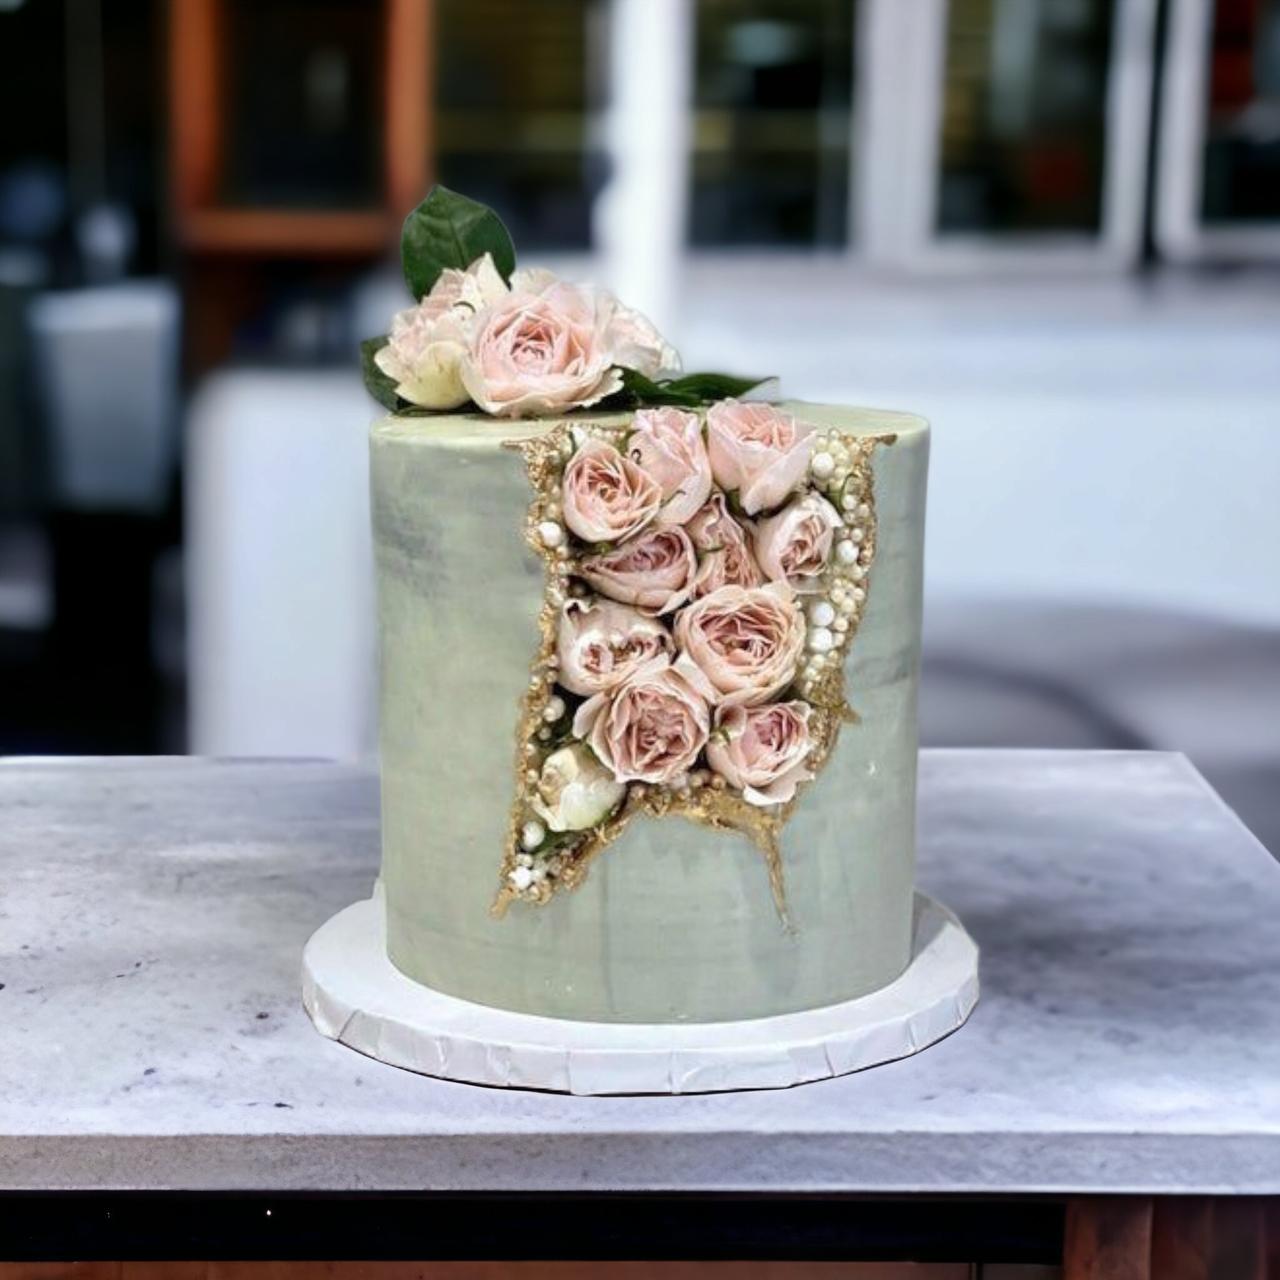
x: 642, y: 390
x: 448, y: 230
x: 379, y: 386
x: 712, y: 386
x: 688, y: 391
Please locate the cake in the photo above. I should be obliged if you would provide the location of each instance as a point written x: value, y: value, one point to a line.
x: 675, y: 919
x: 649, y: 647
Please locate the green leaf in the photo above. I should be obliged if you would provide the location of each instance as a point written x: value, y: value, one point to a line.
x: 688, y: 392
x: 641, y: 390
x: 713, y: 386
x: 378, y: 384
x: 448, y: 230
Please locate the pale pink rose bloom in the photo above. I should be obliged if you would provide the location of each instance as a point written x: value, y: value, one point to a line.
x: 637, y: 344
x: 758, y: 450
x: 724, y: 557
x: 600, y: 643
x: 730, y: 566
x: 652, y: 727
x: 632, y: 337
x: 541, y: 351
x: 427, y: 343
x: 747, y: 640
x: 795, y: 545
x: 667, y: 445
x: 762, y: 750
x: 606, y: 496
x: 653, y: 571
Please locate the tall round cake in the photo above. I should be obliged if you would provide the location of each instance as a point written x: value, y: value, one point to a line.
x: 675, y: 920
x: 649, y: 651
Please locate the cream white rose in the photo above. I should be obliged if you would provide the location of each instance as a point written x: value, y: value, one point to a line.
x: 428, y: 342
x: 575, y: 791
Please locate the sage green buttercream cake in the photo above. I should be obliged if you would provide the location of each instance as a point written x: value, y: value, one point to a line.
x: 675, y: 921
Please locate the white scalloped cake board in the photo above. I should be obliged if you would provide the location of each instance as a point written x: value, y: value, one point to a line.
x: 355, y: 995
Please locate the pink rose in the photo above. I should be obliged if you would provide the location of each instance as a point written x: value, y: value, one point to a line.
x: 637, y: 344
x: 724, y: 557
x: 653, y: 571
x: 633, y: 339
x: 667, y: 445
x: 428, y: 342
x: 794, y: 545
x: 606, y: 497
x: 762, y: 750
x: 652, y: 727
x: 600, y: 643
x: 758, y: 450
x: 747, y: 640
x: 543, y: 349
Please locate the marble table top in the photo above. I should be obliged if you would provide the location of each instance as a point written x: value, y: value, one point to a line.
x: 153, y: 912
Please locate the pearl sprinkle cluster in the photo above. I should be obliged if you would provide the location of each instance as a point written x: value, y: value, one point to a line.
x: 840, y: 469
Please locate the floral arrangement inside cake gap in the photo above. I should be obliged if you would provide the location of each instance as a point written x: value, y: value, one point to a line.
x: 705, y: 573
x: 515, y: 343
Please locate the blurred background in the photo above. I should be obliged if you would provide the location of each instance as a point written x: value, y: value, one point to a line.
x: 1052, y: 226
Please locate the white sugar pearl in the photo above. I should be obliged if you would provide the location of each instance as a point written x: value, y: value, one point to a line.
x: 849, y: 502
x: 841, y: 624
x: 821, y: 613
x: 823, y: 465
x: 550, y: 534
x: 846, y: 552
x: 532, y: 834
x: 859, y: 594
x: 553, y: 710
x: 857, y: 573
x: 821, y: 639
x: 521, y: 878
x: 857, y: 535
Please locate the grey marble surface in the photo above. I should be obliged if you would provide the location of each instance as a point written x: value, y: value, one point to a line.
x: 152, y: 915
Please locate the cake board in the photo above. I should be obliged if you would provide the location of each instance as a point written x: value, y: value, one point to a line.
x: 355, y: 995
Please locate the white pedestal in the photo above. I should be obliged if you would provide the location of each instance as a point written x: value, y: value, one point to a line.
x: 355, y: 995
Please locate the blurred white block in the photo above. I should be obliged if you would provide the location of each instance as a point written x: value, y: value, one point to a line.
x: 1106, y: 441
x: 107, y: 361
x: 279, y: 565
x: 640, y: 214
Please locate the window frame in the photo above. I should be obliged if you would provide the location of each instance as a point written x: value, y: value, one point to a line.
x: 1182, y: 233
x: 900, y: 86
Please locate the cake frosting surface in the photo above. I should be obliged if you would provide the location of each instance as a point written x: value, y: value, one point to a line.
x: 675, y: 920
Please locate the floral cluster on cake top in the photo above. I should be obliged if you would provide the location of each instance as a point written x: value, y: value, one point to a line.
x: 514, y: 344
x: 705, y: 563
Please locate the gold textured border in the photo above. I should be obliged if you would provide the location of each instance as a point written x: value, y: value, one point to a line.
x: 707, y: 800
